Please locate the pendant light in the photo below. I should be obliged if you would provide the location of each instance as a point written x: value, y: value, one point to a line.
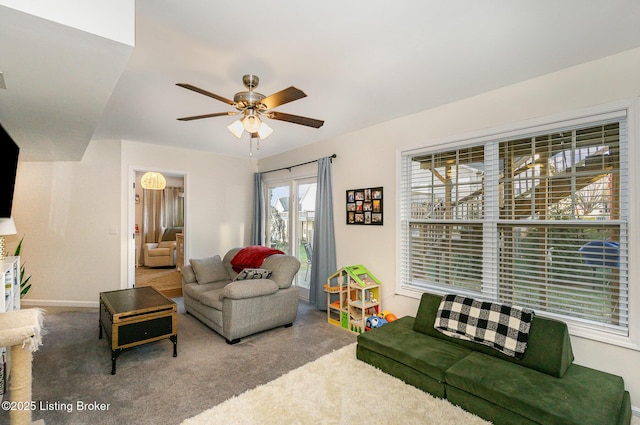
x: 153, y: 180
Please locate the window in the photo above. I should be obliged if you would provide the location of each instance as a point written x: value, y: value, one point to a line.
x: 536, y: 219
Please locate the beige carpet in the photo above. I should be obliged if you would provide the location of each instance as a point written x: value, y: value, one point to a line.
x: 336, y: 389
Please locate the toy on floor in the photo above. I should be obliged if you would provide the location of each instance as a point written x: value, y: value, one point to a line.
x: 388, y: 316
x: 375, y: 322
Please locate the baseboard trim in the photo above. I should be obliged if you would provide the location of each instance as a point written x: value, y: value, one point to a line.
x: 58, y: 303
x: 635, y: 411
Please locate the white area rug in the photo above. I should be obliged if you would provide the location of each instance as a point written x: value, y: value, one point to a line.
x: 336, y: 389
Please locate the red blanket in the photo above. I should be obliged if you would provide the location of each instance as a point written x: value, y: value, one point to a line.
x: 251, y: 257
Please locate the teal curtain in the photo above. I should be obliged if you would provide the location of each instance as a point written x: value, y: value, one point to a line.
x: 257, y: 227
x: 324, y: 241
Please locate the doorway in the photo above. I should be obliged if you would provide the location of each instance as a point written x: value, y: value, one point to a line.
x: 290, y: 224
x: 157, y: 246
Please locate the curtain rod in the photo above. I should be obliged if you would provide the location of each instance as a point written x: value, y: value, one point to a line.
x: 297, y: 165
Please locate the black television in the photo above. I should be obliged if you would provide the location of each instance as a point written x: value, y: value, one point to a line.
x: 9, y: 152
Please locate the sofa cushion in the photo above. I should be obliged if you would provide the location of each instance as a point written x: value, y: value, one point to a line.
x: 227, y: 261
x: 196, y: 291
x: 170, y: 233
x: 212, y: 298
x: 248, y: 274
x: 548, y: 349
x: 209, y: 270
x: 159, y: 252
x: 167, y: 244
x: 397, y: 340
x: 188, y: 275
x: 283, y: 269
x: 249, y: 289
x: 583, y: 396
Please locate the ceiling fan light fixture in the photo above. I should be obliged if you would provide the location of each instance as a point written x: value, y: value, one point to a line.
x: 236, y: 128
x: 153, y: 180
x: 251, y: 123
x: 264, y: 131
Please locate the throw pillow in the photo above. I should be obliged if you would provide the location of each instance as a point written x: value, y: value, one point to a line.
x: 210, y: 269
x: 170, y: 233
x: 246, y: 274
x: 188, y: 274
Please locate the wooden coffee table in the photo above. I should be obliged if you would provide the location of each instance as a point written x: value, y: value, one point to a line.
x: 137, y: 316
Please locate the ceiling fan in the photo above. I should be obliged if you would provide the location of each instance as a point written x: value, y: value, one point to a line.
x: 253, y: 105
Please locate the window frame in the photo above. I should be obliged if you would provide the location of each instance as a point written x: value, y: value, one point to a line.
x: 578, y: 118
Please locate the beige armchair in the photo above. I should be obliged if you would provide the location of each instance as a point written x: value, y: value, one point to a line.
x: 163, y: 253
x: 160, y: 254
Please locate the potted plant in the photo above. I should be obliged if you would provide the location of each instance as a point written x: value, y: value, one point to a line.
x: 25, y: 286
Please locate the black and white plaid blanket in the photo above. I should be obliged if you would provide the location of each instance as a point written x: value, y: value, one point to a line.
x: 500, y: 326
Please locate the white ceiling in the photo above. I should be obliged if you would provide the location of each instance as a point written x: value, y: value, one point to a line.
x: 360, y: 63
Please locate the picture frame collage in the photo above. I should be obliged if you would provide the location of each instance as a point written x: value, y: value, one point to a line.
x: 365, y: 206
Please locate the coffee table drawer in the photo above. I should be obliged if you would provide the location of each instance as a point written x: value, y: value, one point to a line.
x: 138, y: 332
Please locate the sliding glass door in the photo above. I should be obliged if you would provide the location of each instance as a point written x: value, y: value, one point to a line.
x: 278, y: 218
x: 290, y: 224
x: 304, y: 232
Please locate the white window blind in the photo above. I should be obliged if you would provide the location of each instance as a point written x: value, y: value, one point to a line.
x: 445, y: 230
x: 561, y: 233
x: 539, y: 221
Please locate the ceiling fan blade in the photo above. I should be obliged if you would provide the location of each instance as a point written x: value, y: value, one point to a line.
x: 206, y: 93
x: 197, y: 117
x: 296, y: 119
x: 283, y: 96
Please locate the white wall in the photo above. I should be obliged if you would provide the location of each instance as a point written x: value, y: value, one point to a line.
x: 66, y: 212
x: 367, y: 158
x: 74, y: 215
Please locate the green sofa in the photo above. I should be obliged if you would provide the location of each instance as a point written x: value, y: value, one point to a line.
x: 544, y: 387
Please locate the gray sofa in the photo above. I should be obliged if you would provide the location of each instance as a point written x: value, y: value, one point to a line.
x: 238, y: 308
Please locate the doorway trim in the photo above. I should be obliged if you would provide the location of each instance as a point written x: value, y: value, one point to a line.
x: 131, y: 216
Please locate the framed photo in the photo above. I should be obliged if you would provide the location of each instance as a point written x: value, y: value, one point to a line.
x: 364, y: 206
